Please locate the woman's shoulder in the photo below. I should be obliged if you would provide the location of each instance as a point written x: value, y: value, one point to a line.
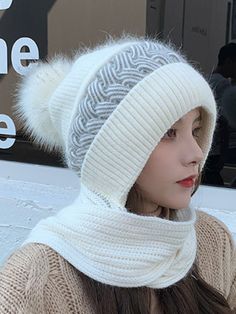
x: 213, y: 233
x: 33, y: 256
x: 35, y: 277
x: 28, y: 257
x: 216, y: 255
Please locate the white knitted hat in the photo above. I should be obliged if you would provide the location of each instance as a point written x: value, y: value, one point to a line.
x: 109, y: 108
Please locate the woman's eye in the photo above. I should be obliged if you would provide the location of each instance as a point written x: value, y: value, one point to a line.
x: 196, y: 132
x: 170, y: 134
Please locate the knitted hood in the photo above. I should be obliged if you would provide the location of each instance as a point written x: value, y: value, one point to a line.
x: 108, y: 108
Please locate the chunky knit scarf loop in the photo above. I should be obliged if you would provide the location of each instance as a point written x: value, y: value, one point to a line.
x: 119, y: 248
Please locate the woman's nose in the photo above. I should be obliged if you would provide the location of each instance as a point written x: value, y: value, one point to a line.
x: 193, y: 152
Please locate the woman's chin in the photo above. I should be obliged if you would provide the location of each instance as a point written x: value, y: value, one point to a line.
x: 180, y: 204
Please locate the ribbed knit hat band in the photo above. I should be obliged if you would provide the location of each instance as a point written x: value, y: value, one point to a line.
x: 124, y: 143
x: 109, y: 86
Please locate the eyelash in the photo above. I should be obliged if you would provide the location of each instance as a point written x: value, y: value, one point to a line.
x: 175, y: 130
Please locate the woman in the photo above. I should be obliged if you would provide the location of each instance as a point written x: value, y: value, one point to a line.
x: 135, y: 121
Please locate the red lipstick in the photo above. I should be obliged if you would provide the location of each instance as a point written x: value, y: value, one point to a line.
x: 188, y: 182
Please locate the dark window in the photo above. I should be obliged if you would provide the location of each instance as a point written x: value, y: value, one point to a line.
x: 200, y: 28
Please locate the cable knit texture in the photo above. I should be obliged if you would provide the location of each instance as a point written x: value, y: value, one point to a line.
x: 37, y: 280
x: 110, y: 85
x: 117, y: 247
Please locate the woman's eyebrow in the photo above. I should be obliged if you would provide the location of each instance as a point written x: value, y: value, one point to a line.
x: 199, y: 118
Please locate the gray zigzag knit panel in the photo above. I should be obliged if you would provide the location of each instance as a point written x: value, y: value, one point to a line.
x: 110, y: 85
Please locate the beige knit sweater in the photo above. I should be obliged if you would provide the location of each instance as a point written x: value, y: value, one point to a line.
x: 37, y: 280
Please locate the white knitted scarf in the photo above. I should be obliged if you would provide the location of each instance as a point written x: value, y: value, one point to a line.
x: 117, y: 247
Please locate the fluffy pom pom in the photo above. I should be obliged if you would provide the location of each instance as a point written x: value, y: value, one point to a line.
x: 33, y: 97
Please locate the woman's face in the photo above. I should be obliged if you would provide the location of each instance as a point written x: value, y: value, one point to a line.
x: 175, y: 158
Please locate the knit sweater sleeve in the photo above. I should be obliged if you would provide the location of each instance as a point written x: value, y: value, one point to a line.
x: 232, y: 293
x: 37, y: 280
x: 22, y: 282
x: 216, y: 258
